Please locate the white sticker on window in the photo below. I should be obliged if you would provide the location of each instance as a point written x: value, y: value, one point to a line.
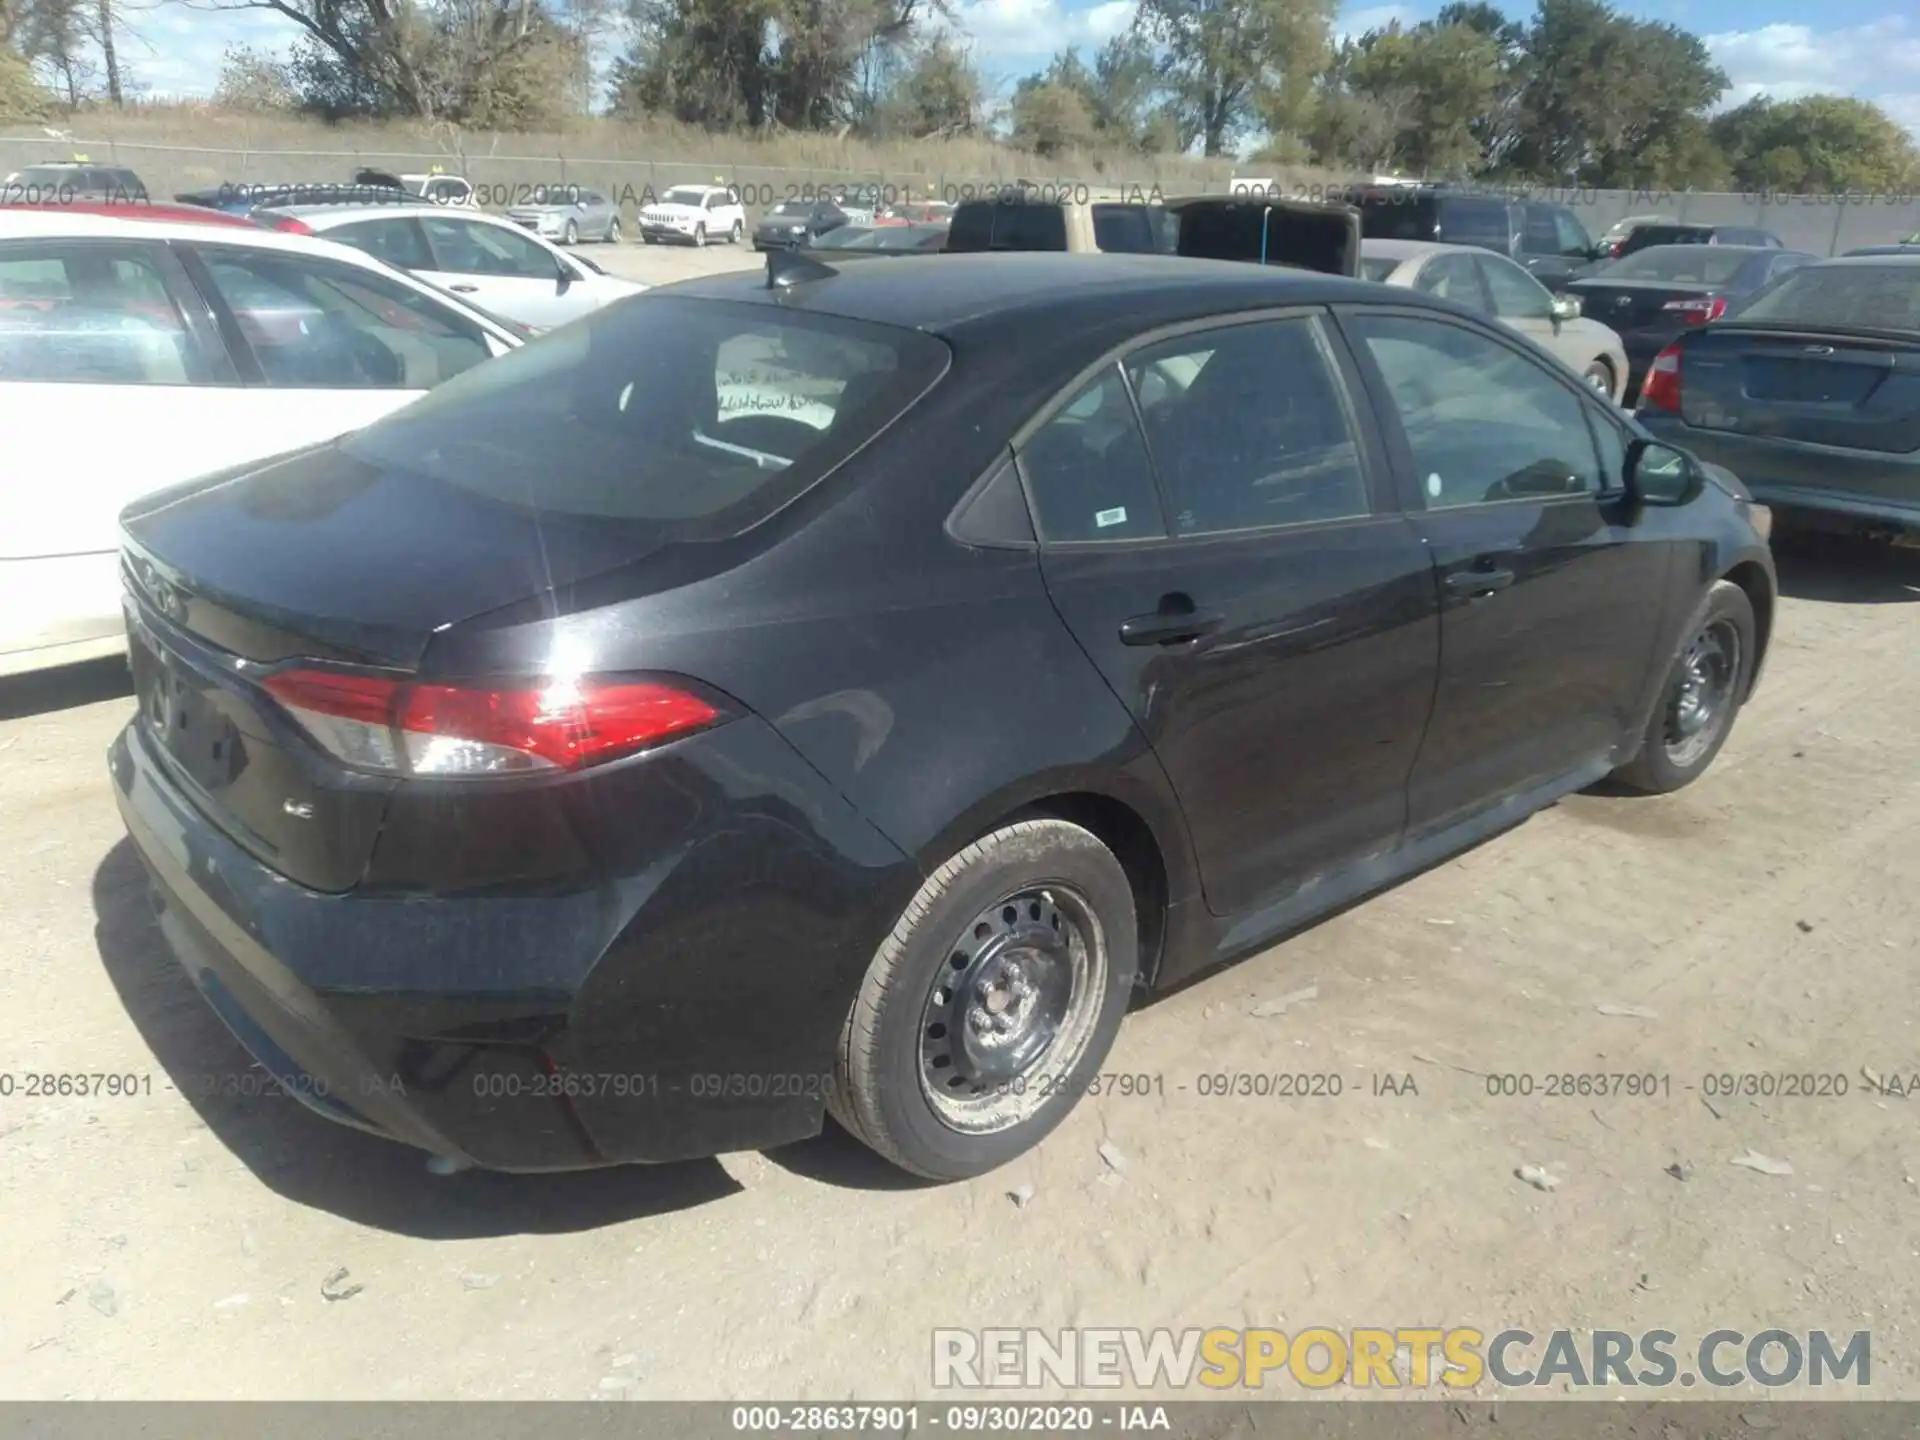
x: 1115, y: 516
x: 1433, y: 484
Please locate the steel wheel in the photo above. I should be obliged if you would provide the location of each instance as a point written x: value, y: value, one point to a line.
x: 1703, y: 700
x: 1011, y: 1012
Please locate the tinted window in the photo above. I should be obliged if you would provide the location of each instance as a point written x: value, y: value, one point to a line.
x: 1475, y: 222
x: 1872, y: 297
x: 1088, y: 472
x: 1484, y: 421
x: 1645, y: 235
x: 398, y: 242
x: 1539, y: 234
x: 693, y: 415
x: 1009, y: 225
x: 1390, y: 215
x: 316, y: 325
x: 1125, y: 228
x: 89, y: 316
x: 467, y: 247
x: 1452, y: 277
x: 1612, y: 444
x: 1516, y: 294
x: 1249, y: 428
x: 1691, y: 264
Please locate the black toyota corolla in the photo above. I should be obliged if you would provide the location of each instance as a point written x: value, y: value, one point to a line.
x: 815, y: 692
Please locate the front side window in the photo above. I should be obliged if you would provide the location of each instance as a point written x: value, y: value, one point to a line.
x: 313, y: 324
x: 89, y: 315
x: 467, y: 247
x: 696, y: 417
x: 1249, y: 428
x: 1087, y: 469
x: 1485, y: 422
x: 1575, y: 243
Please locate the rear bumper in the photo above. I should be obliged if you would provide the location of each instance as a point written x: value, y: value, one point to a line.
x: 1815, y: 480
x: 680, y: 1004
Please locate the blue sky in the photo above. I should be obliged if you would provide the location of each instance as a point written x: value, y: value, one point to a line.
x: 1784, y: 48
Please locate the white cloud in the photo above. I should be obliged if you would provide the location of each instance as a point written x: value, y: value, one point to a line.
x: 176, y: 52
x: 1352, y: 24
x: 1878, y: 61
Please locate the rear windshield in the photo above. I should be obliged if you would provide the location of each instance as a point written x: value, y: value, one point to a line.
x: 1396, y: 215
x: 1692, y: 264
x: 701, y: 417
x: 1125, y: 229
x: 1671, y: 235
x: 1865, y: 297
x: 1475, y: 222
x: 1007, y: 225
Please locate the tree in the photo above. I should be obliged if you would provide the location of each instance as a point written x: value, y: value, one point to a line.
x: 252, y: 81
x: 1222, y: 61
x: 1822, y: 143
x: 1050, y: 116
x: 938, y: 93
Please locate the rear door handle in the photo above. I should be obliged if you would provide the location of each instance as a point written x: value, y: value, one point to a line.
x: 463, y: 289
x: 1169, y: 628
x: 1479, y: 582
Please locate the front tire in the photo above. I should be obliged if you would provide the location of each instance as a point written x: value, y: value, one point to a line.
x: 572, y: 237
x: 613, y: 231
x: 1705, y: 685
x: 733, y: 235
x: 997, y: 995
x: 700, y: 235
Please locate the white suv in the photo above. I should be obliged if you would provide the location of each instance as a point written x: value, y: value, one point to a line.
x: 696, y: 214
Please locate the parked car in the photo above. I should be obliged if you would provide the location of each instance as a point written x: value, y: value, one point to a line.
x: 570, y: 214
x: 884, y: 239
x: 860, y: 203
x: 797, y: 223
x: 1494, y: 285
x: 916, y: 212
x: 1018, y: 221
x: 1904, y: 247
x: 1548, y: 239
x: 491, y: 261
x: 242, y: 198
x: 1610, y: 242
x: 158, y: 352
x: 1652, y: 295
x: 565, y: 737
x: 147, y: 210
x: 696, y: 214
x: 61, y: 182
x: 1675, y: 232
x: 1812, y: 389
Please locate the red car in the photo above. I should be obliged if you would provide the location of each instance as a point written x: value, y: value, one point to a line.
x: 915, y: 212
x: 144, y: 210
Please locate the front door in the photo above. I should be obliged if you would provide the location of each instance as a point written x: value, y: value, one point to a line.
x: 1550, y: 596
x: 1214, y: 535
x: 503, y: 269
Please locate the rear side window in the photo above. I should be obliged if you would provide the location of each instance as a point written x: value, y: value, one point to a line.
x: 313, y: 324
x: 90, y: 315
x: 696, y: 417
x: 1127, y: 229
x: 1868, y: 297
x: 398, y: 242
x: 1087, y: 469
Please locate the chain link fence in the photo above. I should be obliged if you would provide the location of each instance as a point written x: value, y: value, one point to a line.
x: 1823, y: 224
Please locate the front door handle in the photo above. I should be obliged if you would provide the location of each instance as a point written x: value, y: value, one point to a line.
x: 1479, y: 582
x: 463, y: 289
x: 1165, y: 627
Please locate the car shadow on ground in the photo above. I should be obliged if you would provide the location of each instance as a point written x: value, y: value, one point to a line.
x: 67, y: 687
x: 313, y: 1161
x: 1847, y: 571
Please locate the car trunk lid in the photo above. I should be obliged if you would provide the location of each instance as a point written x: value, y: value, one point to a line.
x: 1848, y: 389
x: 1639, y: 304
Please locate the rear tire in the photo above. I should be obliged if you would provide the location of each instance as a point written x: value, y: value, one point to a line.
x: 1705, y: 685
x: 572, y: 237
x: 733, y: 235
x: 997, y: 995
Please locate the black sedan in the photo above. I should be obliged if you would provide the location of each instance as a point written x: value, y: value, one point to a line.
x: 1653, y: 295
x: 1812, y: 392
x: 797, y: 223
x: 846, y: 691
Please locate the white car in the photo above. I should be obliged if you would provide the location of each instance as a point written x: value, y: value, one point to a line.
x: 492, y: 262
x: 1494, y: 285
x: 696, y: 214
x: 137, y: 354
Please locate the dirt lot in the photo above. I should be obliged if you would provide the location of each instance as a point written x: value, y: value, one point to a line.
x: 174, y: 1244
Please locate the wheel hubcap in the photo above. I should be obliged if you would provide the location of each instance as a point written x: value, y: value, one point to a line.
x: 1703, y: 692
x: 1012, y: 1009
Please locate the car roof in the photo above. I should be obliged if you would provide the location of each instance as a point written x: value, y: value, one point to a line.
x: 36, y: 222
x: 347, y: 211
x: 1723, y: 249
x: 145, y: 212
x: 951, y: 290
x: 1899, y: 257
x: 1405, y: 249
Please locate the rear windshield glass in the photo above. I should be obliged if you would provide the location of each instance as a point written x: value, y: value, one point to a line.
x: 683, y: 195
x: 1671, y: 235
x: 1475, y: 222
x: 1868, y: 297
x: 1009, y: 225
x: 1126, y: 229
x: 1694, y: 264
x: 1393, y: 215
x: 700, y: 416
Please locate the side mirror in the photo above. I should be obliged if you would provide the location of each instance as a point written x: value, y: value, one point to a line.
x: 1658, y: 474
x: 1566, y: 307
x: 563, y: 272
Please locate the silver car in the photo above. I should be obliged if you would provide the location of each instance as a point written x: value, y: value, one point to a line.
x: 569, y: 214
x: 1494, y: 285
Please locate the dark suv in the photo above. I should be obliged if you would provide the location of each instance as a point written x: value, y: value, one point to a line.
x: 1547, y: 238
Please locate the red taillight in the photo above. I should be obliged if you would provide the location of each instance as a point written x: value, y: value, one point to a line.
x: 401, y: 726
x: 287, y: 225
x: 1661, y: 389
x: 1697, y: 312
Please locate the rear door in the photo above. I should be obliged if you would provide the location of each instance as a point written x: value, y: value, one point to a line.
x: 1550, y: 598
x: 113, y: 382
x: 1218, y: 534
